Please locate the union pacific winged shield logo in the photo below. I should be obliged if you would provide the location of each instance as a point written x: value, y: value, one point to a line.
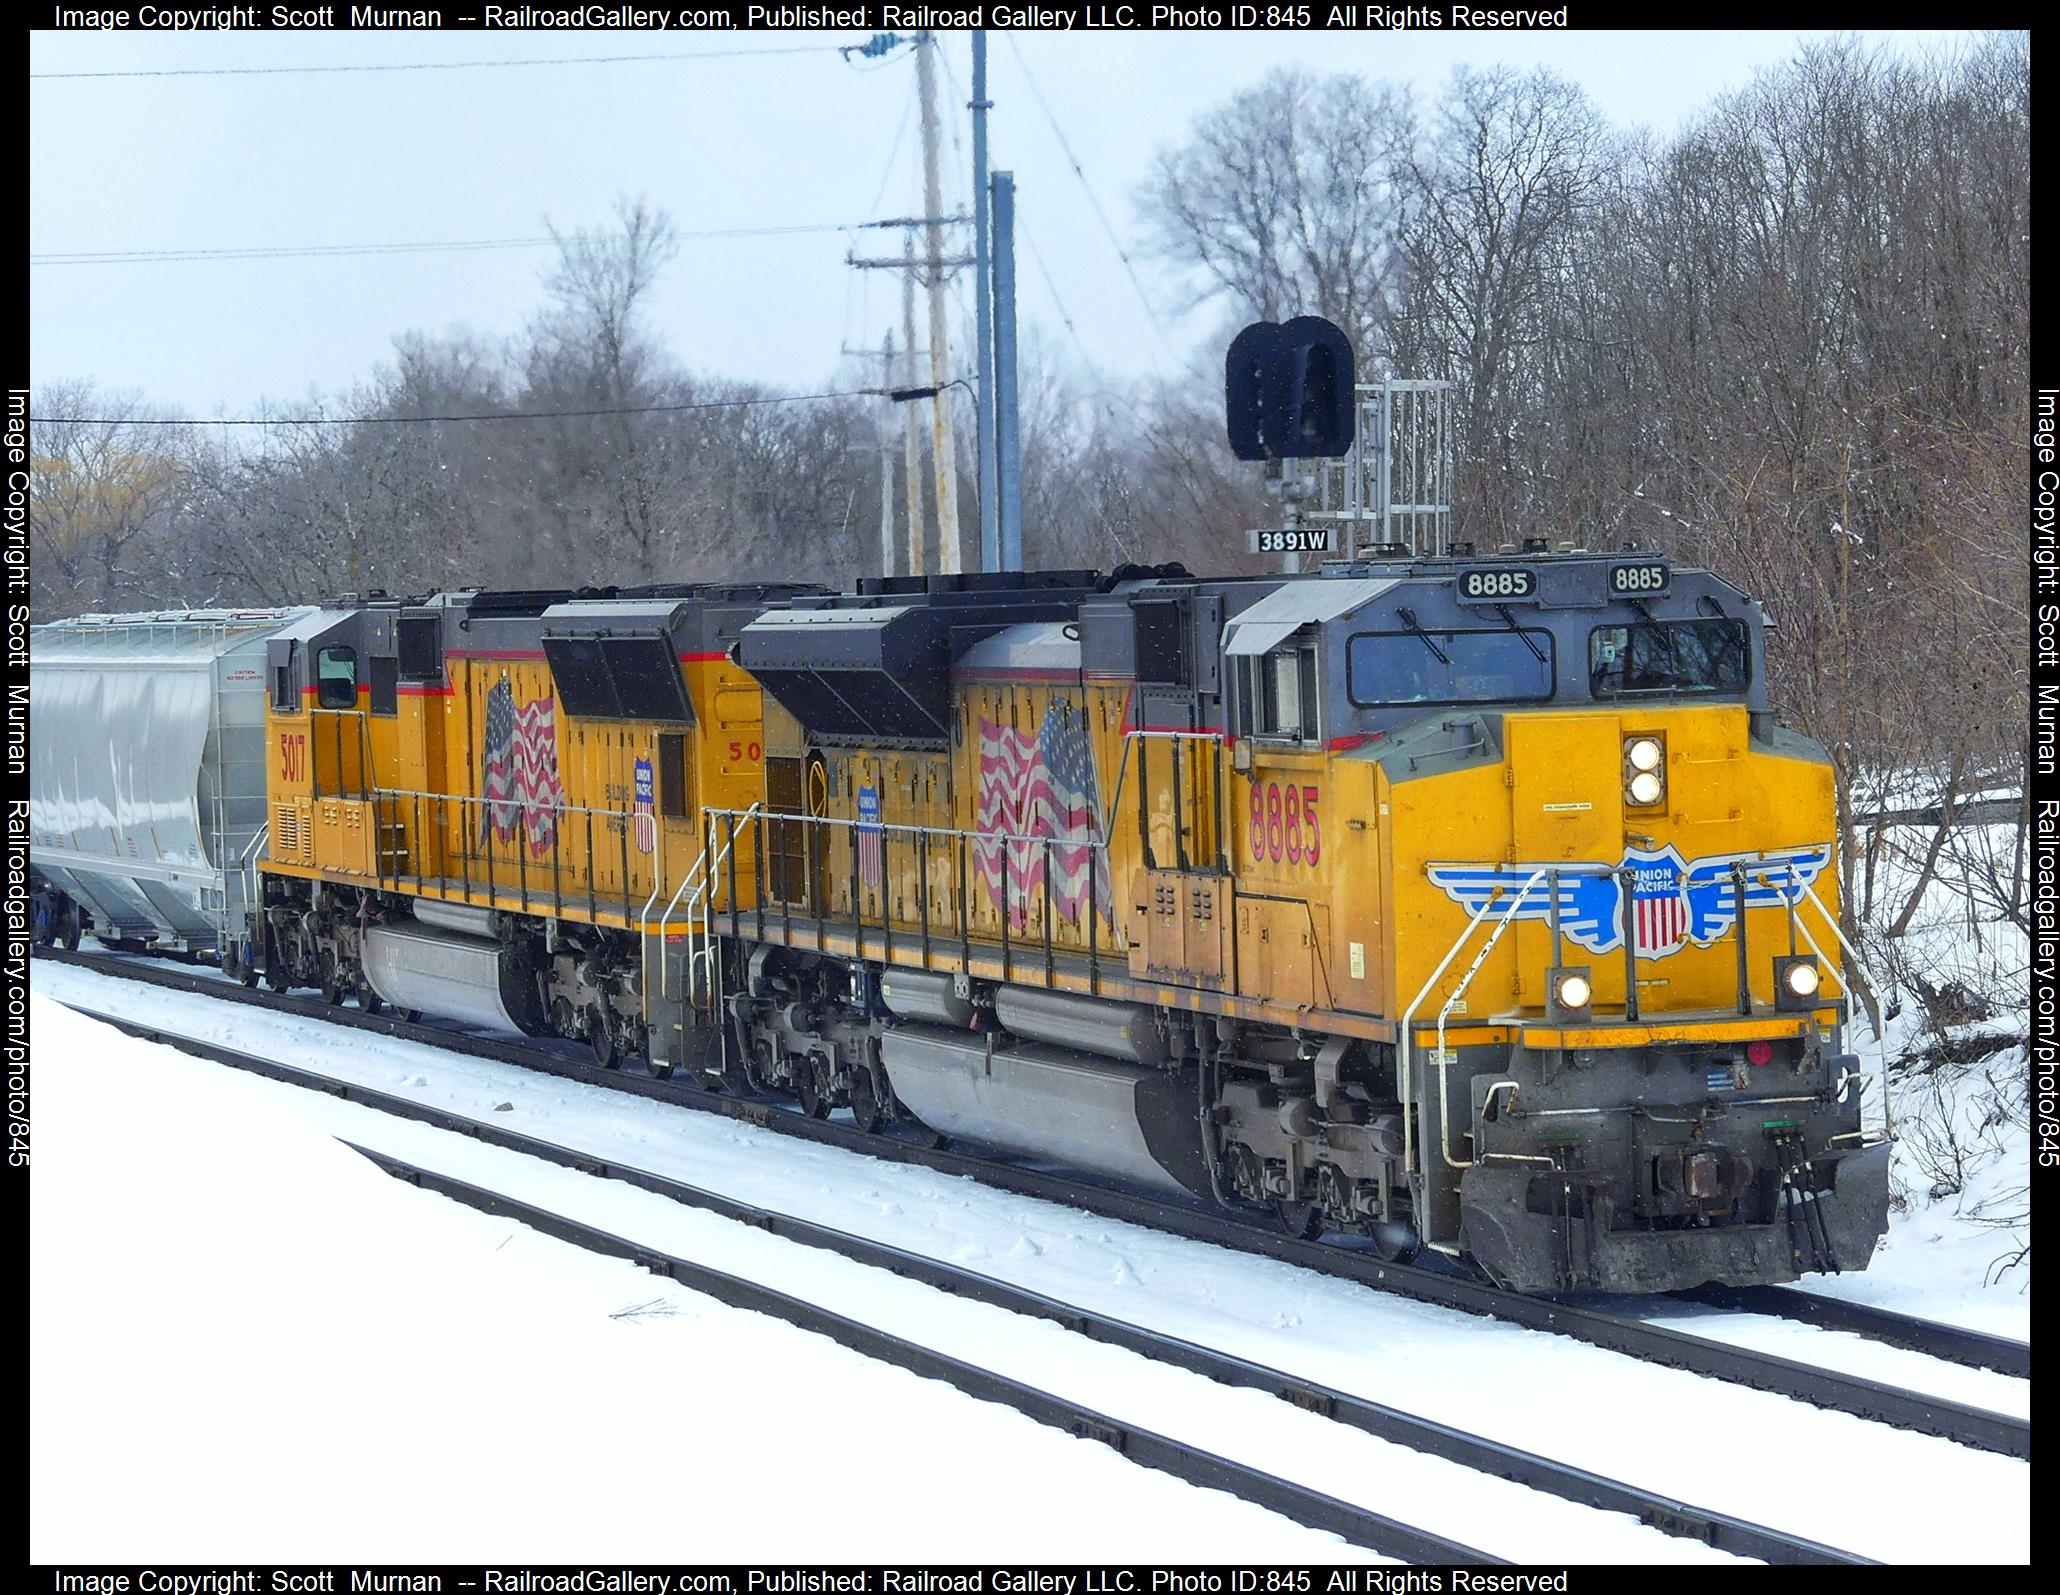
x: 1673, y: 901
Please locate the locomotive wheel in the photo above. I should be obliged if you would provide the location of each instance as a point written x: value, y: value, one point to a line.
x: 369, y: 1001
x: 808, y: 1086
x: 601, y: 1037
x: 1303, y: 1220
x: 246, y: 968
x: 332, y: 981
x: 72, y: 929
x: 562, y: 1018
x: 866, y: 1111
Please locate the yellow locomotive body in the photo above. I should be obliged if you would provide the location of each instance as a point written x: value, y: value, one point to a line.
x: 444, y: 774
x: 1476, y: 907
x: 1196, y: 817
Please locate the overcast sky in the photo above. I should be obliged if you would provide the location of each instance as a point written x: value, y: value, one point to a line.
x: 794, y: 138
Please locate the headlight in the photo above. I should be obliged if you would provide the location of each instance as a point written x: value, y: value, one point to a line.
x: 1797, y: 977
x: 1568, y: 992
x: 1644, y: 754
x: 1646, y: 788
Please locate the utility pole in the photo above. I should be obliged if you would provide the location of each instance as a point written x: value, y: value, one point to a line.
x: 983, y: 381
x: 913, y: 457
x: 883, y: 357
x: 887, y: 461
x: 1007, y: 452
x: 943, y: 457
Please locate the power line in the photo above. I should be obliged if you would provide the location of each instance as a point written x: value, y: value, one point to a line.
x: 437, y: 66
x: 1052, y: 288
x: 123, y: 257
x: 1065, y: 145
x: 426, y: 420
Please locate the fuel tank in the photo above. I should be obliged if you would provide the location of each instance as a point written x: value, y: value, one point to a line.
x: 1113, y: 1029
x: 1091, y: 1113
x: 466, y: 978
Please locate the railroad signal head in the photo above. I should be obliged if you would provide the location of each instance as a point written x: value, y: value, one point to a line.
x: 1288, y: 391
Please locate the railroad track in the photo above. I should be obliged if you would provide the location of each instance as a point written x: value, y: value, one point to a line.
x: 1719, y: 1530
x: 1310, y: 1508
x: 1970, y: 1348
x: 1818, y: 1385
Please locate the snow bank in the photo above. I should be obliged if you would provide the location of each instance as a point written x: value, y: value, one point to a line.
x: 249, y: 1344
x: 1957, y: 1029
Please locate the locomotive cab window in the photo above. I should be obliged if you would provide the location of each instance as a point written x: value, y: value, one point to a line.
x: 285, y: 700
x: 1393, y: 668
x: 1278, y: 697
x: 1705, y: 657
x: 672, y: 775
x: 336, y: 678
x: 386, y: 686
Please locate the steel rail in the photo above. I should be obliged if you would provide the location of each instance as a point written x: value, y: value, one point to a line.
x: 1819, y: 1386
x: 1311, y: 1508
x: 1733, y: 1535
x: 1971, y: 1348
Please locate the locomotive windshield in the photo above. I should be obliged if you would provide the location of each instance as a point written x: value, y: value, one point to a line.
x: 1402, y: 667
x: 1670, y: 656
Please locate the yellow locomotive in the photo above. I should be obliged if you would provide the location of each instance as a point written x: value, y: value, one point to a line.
x: 1476, y: 904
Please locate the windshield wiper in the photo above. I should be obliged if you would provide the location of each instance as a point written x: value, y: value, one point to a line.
x: 1522, y: 636
x: 1422, y: 636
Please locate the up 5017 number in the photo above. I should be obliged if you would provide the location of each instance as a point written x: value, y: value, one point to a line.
x: 1284, y: 826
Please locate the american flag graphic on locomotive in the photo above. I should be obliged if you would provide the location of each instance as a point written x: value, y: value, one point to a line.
x: 519, y: 778
x: 1040, y: 786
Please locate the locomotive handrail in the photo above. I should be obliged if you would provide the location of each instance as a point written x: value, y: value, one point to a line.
x: 247, y: 865
x: 1458, y: 991
x: 926, y: 835
x: 1873, y: 1000
x: 711, y: 856
x: 1402, y: 1041
x: 463, y: 798
x: 1106, y: 820
x: 1099, y: 844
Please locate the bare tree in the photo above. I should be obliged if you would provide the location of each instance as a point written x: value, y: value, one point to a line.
x: 1284, y: 201
x: 103, y: 484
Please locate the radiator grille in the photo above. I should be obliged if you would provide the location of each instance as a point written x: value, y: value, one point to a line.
x: 289, y: 837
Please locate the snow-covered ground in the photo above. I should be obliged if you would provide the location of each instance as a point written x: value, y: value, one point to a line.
x: 1600, y: 1411
x: 1957, y: 979
x: 247, y: 1343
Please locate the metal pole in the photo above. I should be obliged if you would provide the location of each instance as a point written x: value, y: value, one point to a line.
x: 887, y: 527
x: 983, y: 307
x: 1007, y: 452
x: 943, y: 456
x: 912, y: 439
